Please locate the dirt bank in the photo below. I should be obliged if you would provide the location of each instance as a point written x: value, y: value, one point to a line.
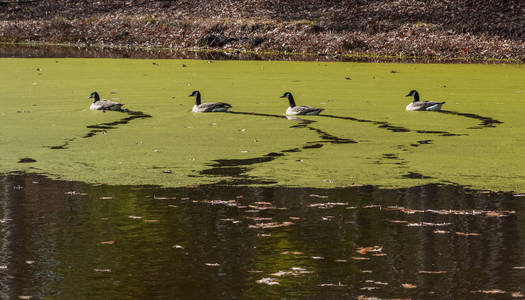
x: 438, y: 30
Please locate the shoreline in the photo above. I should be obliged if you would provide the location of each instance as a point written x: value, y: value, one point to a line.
x: 70, y: 50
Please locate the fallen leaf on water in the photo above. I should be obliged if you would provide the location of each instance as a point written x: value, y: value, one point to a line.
x: 172, y: 206
x: 268, y: 281
x: 376, y: 282
x: 292, y: 252
x: 398, y: 221
x: 519, y: 268
x: 102, y: 270
x: 467, y: 233
x: 360, y: 258
x: 294, y: 218
x: 327, y: 205
x: 365, y: 250
x: 366, y: 271
x: 394, y: 72
x: 107, y: 243
x: 379, y: 254
x: 332, y: 284
x: 517, y: 295
x: 317, y: 257
x: 212, y: 264
x: 495, y: 291
x: 134, y: 217
x: 177, y: 247
x: 25, y: 297
x: 440, y: 231
x: 151, y: 221
x: 341, y: 260
x: 4, y: 267
x: 30, y: 262
x: 494, y: 214
x: 372, y: 206
x: 369, y: 288
x: 426, y: 224
x: 433, y: 272
x: 270, y: 225
x: 106, y: 198
x: 408, y: 286
x: 318, y: 196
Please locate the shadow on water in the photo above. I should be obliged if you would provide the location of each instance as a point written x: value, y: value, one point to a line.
x: 390, y: 127
x: 236, y: 168
x: 232, y: 242
x: 485, y: 121
x: 104, y: 127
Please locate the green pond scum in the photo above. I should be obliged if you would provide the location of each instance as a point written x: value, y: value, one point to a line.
x: 364, y: 136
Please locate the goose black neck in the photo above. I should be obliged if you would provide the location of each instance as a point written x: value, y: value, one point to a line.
x: 291, y: 100
x: 97, y: 97
x: 416, y: 96
x: 198, y: 99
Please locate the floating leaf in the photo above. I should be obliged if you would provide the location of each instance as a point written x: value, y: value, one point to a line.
x: 491, y: 292
x: 102, y: 270
x: 268, y: 281
x: 151, y: 221
x: 408, y: 286
x: 212, y: 264
x: 107, y: 243
x: 364, y: 250
x: 332, y: 284
x: 318, y: 196
x: 432, y: 272
x: 467, y: 234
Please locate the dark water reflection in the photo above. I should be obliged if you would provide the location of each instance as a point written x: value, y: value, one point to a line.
x: 215, y: 241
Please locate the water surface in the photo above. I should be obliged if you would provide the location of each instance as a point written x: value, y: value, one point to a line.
x: 70, y: 240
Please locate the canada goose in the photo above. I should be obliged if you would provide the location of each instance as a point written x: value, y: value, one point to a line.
x: 422, y: 105
x: 301, y: 109
x: 209, y: 106
x: 103, y: 104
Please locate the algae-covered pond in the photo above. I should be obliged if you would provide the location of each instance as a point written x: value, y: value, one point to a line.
x: 364, y: 137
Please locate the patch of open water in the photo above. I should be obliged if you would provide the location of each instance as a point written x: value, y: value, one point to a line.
x: 70, y: 240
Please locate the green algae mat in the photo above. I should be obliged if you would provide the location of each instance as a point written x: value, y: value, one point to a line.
x: 364, y: 135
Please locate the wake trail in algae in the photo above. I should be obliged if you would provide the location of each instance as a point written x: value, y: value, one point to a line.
x: 236, y: 168
x: 104, y: 127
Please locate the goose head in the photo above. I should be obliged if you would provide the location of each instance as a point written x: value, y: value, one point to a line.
x: 290, y: 98
x: 198, y: 99
x: 415, y: 94
x: 194, y: 93
x: 95, y: 96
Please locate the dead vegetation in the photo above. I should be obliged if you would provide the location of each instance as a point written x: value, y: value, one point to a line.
x: 438, y: 29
